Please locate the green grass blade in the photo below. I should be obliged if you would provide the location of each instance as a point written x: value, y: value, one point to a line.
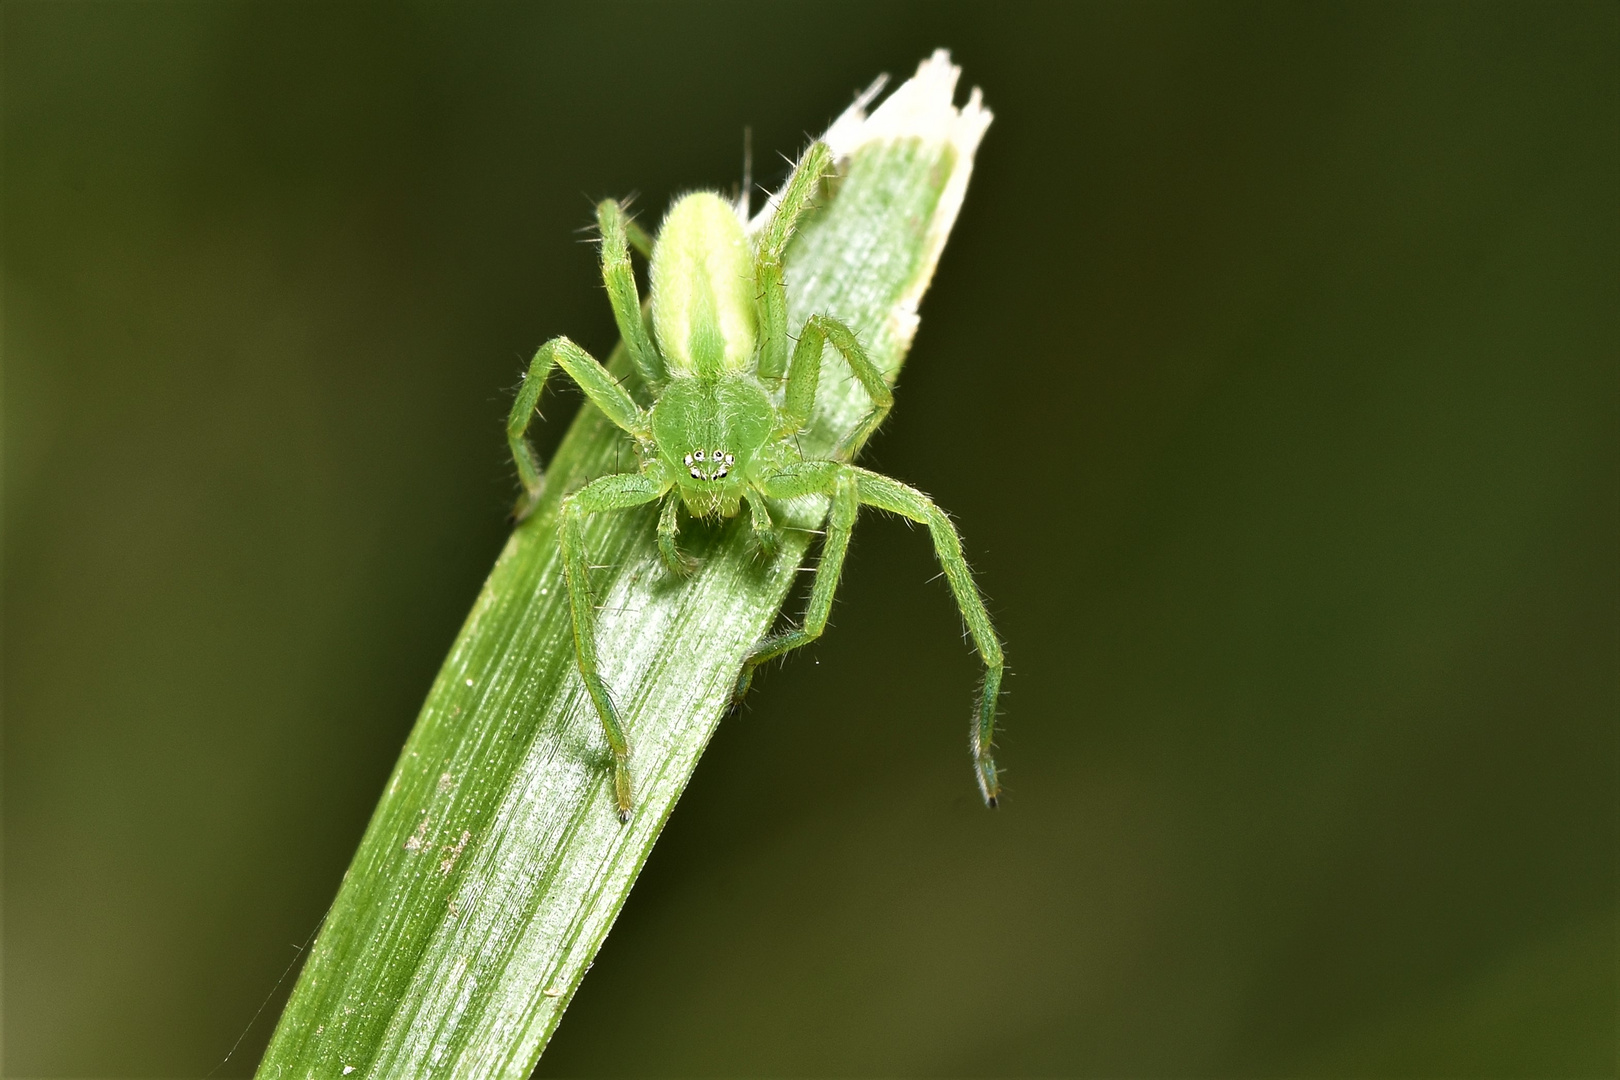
x: 494, y: 864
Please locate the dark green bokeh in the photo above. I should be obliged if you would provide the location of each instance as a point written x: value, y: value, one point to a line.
x: 1271, y: 376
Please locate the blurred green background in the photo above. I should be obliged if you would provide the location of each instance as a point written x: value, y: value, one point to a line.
x: 1271, y: 376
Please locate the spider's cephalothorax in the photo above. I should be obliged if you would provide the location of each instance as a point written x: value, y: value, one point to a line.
x: 716, y: 437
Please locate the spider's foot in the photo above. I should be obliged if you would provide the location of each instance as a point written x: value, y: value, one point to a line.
x: 765, y: 545
x: 682, y: 565
x: 621, y: 789
x: 989, y: 781
x: 676, y: 561
x: 744, y: 680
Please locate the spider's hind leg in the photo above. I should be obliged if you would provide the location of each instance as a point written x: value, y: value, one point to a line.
x: 804, y: 382
x: 772, y: 297
x: 617, y: 232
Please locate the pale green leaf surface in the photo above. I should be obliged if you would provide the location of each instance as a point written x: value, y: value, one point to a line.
x: 494, y: 864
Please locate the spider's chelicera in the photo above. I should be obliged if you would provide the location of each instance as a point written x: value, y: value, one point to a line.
x: 716, y: 438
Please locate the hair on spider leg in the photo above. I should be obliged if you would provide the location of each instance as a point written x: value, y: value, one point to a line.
x: 625, y: 202
x: 593, y: 234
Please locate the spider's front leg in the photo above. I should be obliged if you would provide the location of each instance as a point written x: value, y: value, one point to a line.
x: 809, y: 478
x: 897, y: 498
x: 620, y: 491
x: 600, y: 387
x: 850, y: 487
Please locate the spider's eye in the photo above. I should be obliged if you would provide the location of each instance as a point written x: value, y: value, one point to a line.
x: 730, y: 460
x: 698, y: 456
x: 689, y: 459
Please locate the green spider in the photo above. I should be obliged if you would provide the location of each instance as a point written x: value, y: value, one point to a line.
x: 717, y: 437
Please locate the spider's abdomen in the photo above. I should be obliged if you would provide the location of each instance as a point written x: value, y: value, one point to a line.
x: 703, y: 289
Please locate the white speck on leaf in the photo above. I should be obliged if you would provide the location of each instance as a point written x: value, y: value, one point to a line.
x: 418, y: 838
x: 454, y: 851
